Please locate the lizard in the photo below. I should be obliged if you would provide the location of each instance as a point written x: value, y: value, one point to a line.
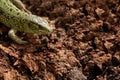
x: 14, y: 15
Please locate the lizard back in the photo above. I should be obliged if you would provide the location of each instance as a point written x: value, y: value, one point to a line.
x: 11, y: 16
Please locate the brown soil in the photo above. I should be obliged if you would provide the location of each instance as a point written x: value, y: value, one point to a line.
x: 84, y: 45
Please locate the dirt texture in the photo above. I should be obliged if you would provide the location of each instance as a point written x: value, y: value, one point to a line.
x: 84, y: 44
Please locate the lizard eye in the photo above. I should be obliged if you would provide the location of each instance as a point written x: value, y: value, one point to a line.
x: 40, y: 27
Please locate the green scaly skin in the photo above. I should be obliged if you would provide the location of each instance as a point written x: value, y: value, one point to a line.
x: 18, y: 18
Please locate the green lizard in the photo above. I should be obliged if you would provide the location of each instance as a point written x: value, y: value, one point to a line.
x: 14, y: 15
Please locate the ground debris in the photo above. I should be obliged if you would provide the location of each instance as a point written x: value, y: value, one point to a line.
x: 84, y: 44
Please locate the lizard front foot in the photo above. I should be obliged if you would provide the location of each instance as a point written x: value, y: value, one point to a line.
x: 15, y: 38
x: 20, y: 5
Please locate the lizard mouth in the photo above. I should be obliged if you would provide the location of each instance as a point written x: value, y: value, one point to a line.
x: 45, y: 30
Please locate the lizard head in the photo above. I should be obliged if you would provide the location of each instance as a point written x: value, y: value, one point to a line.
x: 38, y: 25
